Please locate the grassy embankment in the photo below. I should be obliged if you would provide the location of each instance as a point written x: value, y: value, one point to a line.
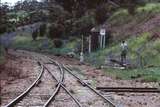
x: 149, y: 49
x: 26, y: 42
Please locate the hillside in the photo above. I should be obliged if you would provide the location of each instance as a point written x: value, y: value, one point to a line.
x: 54, y: 53
x: 146, y: 19
x: 142, y: 33
x: 143, y: 27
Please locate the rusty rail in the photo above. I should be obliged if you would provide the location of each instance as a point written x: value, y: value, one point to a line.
x: 110, y: 103
x: 21, y: 96
x: 129, y: 89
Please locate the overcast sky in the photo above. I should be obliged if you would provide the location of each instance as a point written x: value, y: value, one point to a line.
x: 11, y: 1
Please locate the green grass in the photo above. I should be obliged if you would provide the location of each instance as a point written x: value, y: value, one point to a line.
x: 146, y: 75
x: 143, y: 13
x: 26, y: 42
x: 151, y: 7
x: 149, y: 51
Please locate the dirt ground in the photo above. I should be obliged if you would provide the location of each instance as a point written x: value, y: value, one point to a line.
x: 15, y: 76
x: 21, y: 71
x: 121, y: 99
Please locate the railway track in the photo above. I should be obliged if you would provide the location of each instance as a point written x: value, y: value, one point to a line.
x: 31, y: 91
x: 21, y: 96
x: 107, y: 102
x: 60, y: 78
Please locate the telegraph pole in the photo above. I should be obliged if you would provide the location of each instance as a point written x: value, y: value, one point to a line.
x: 82, y: 45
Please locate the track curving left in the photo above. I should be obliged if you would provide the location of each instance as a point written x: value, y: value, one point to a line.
x: 62, y: 87
x: 43, y: 61
x: 21, y: 96
x: 39, y: 92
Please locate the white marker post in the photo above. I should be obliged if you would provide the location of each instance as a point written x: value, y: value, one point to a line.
x: 81, y: 54
x: 89, y: 40
x: 102, y: 38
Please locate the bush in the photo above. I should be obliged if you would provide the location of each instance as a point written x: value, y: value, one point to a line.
x: 3, y: 28
x: 150, y: 79
x: 102, y: 13
x: 55, y: 31
x: 58, y: 43
x: 35, y: 35
x: 84, y: 24
x: 42, y: 30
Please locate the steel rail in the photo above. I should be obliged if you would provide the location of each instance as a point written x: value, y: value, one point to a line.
x: 53, y: 95
x: 129, y: 89
x: 57, y: 88
x: 60, y: 82
x: 38, y: 57
x: 132, y: 91
x: 126, y: 88
x: 111, y: 104
x: 62, y: 85
x: 21, y: 96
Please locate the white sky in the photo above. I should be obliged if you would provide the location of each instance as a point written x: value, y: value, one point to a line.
x: 11, y: 1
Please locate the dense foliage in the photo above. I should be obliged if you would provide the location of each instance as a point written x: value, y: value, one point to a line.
x: 3, y: 18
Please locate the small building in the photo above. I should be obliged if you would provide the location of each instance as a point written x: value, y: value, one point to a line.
x: 98, y: 38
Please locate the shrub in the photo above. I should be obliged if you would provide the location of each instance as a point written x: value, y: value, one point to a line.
x: 83, y: 25
x: 58, y: 43
x: 35, y: 35
x: 42, y: 30
x: 55, y: 31
x: 150, y: 79
x: 156, y: 45
x: 102, y: 13
x: 3, y: 28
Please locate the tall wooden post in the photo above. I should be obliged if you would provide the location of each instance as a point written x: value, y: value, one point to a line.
x: 101, y: 41
x: 82, y: 45
x: 89, y: 48
x: 104, y: 41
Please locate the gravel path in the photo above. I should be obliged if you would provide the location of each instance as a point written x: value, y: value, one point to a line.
x: 99, y: 78
x: 28, y: 70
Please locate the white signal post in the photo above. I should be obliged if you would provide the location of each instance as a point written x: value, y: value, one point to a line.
x: 102, y: 38
x: 81, y: 54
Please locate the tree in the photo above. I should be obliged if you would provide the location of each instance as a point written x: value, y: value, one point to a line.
x: 103, y: 12
x: 58, y: 43
x: 55, y: 31
x: 42, y: 30
x: 35, y: 34
x: 130, y: 5
x: 4, y: 22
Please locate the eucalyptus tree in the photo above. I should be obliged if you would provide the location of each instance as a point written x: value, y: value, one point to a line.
x: 4, y: 8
